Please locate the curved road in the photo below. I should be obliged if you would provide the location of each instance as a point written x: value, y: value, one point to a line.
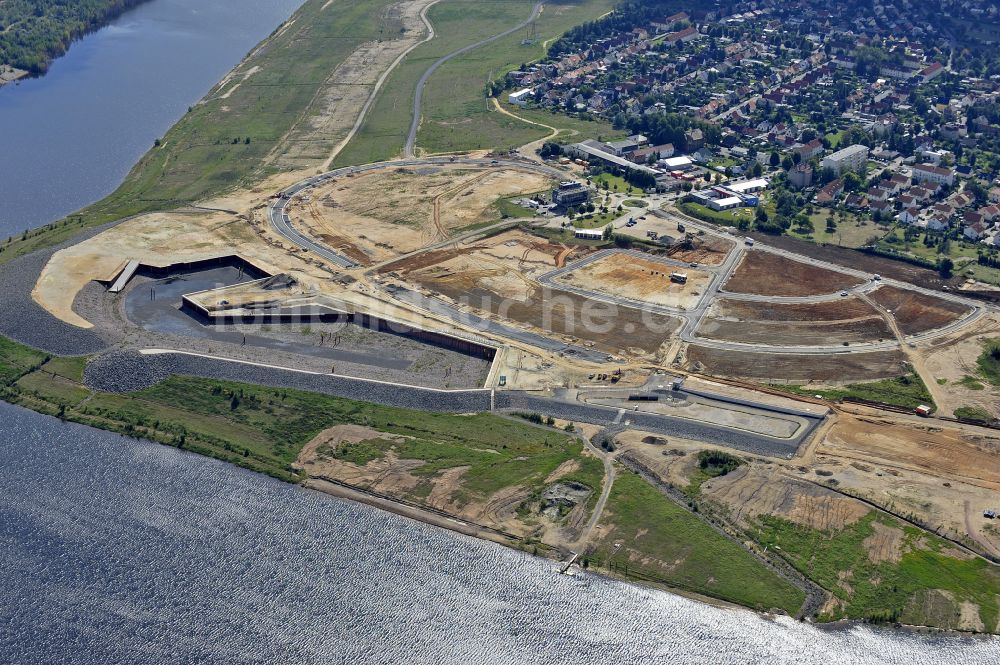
x: 282, y: 223
x: 411, y: 138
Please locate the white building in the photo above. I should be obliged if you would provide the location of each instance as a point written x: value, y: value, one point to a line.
x: 589, y: 234
x: 851, y: 158
x: 931, y: 173
x: 725, y: 203
x: 677, y: 163
x: 521, y: 97
x: 748, y: 186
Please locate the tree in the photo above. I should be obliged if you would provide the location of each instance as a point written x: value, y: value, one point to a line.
x: 852, y: 182
x: 608, y: 231
x: 945, y: 267
x: 803, y: 224
x: 775, y: 159
x: 757, y: 170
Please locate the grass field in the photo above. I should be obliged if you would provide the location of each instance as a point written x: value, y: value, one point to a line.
x: 906, y: 391
x: 879, y: 588
x: 498, y: 452
x: 206, y: 152
x: 725, y: 217
x: 456, y: 115
x: 988, y: 362
x: 570, y: 127
x: 974, y: 413
x: 615, y: 183
x: 853, y: 231
x: 457, y: 23
x: 662, y: 542
x: 265, y: 428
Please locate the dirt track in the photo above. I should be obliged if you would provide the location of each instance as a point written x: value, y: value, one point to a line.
x: 824, y: 323
x: 634, y: 277
x: 833, y: 369
x: 917, y: 312
x: 774, y: 275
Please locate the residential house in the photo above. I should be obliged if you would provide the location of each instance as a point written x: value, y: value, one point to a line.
x: 809, y: 150
x: 830, y: 192
x: 931, y: 173
x: 801, y: 175
x: 908, y: 215
x: 878, y: 194
x: 856, y: 202
x: 974, y: 231
x: 694, y: 139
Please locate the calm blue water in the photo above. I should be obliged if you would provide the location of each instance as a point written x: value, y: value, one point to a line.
x: 123, y: 551
x: 69, y: 138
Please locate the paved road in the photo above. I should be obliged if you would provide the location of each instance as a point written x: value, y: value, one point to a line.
x: 411, y: 138
x: 688, y: 332
x: 123, y: 371
x: 281, y: 221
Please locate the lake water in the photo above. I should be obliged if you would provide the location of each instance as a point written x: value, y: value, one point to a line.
x: 69, y: 138
x: 123, y: 551
x: 120, y: 551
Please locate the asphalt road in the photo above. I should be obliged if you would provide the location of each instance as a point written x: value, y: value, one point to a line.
x: 418, y: 98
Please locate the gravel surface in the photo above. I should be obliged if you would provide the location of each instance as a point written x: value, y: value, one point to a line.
x: 28, y: 323
x: 127, y: 371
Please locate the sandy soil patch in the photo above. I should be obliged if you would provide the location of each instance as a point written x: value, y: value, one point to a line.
x: 825, y: 323
x: 396, y: 211
x: 885, y: 544
x: 156, y: 239
x: 752, y: 491
x: 796, y: 368
x: 774, y: 275
x: 953, y: 358
x: 940, y: 451
x: 917, y: 312
x: 630, y: 276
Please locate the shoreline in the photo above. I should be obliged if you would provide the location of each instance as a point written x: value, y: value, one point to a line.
x: 441, y: 519
x: 56, y: 50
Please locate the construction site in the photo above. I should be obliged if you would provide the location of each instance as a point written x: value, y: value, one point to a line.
x: 564, y: 383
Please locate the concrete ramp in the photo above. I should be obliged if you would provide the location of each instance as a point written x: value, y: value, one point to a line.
x: 124, y: 276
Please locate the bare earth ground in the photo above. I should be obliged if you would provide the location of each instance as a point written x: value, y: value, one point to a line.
x: 155, y: 239
x: 633, y: 277
x: 953, y: 358
x: 513, y: 297
x: 396, y: 477
x: 774, y: 275
x: 917, y: 312
x: 334, y: 110
x: 707, y: 250
x: 796, y: 368
x: 823, y: 323
x: 390, y: 212
x: 497, y: 275
x: 947, y: 476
